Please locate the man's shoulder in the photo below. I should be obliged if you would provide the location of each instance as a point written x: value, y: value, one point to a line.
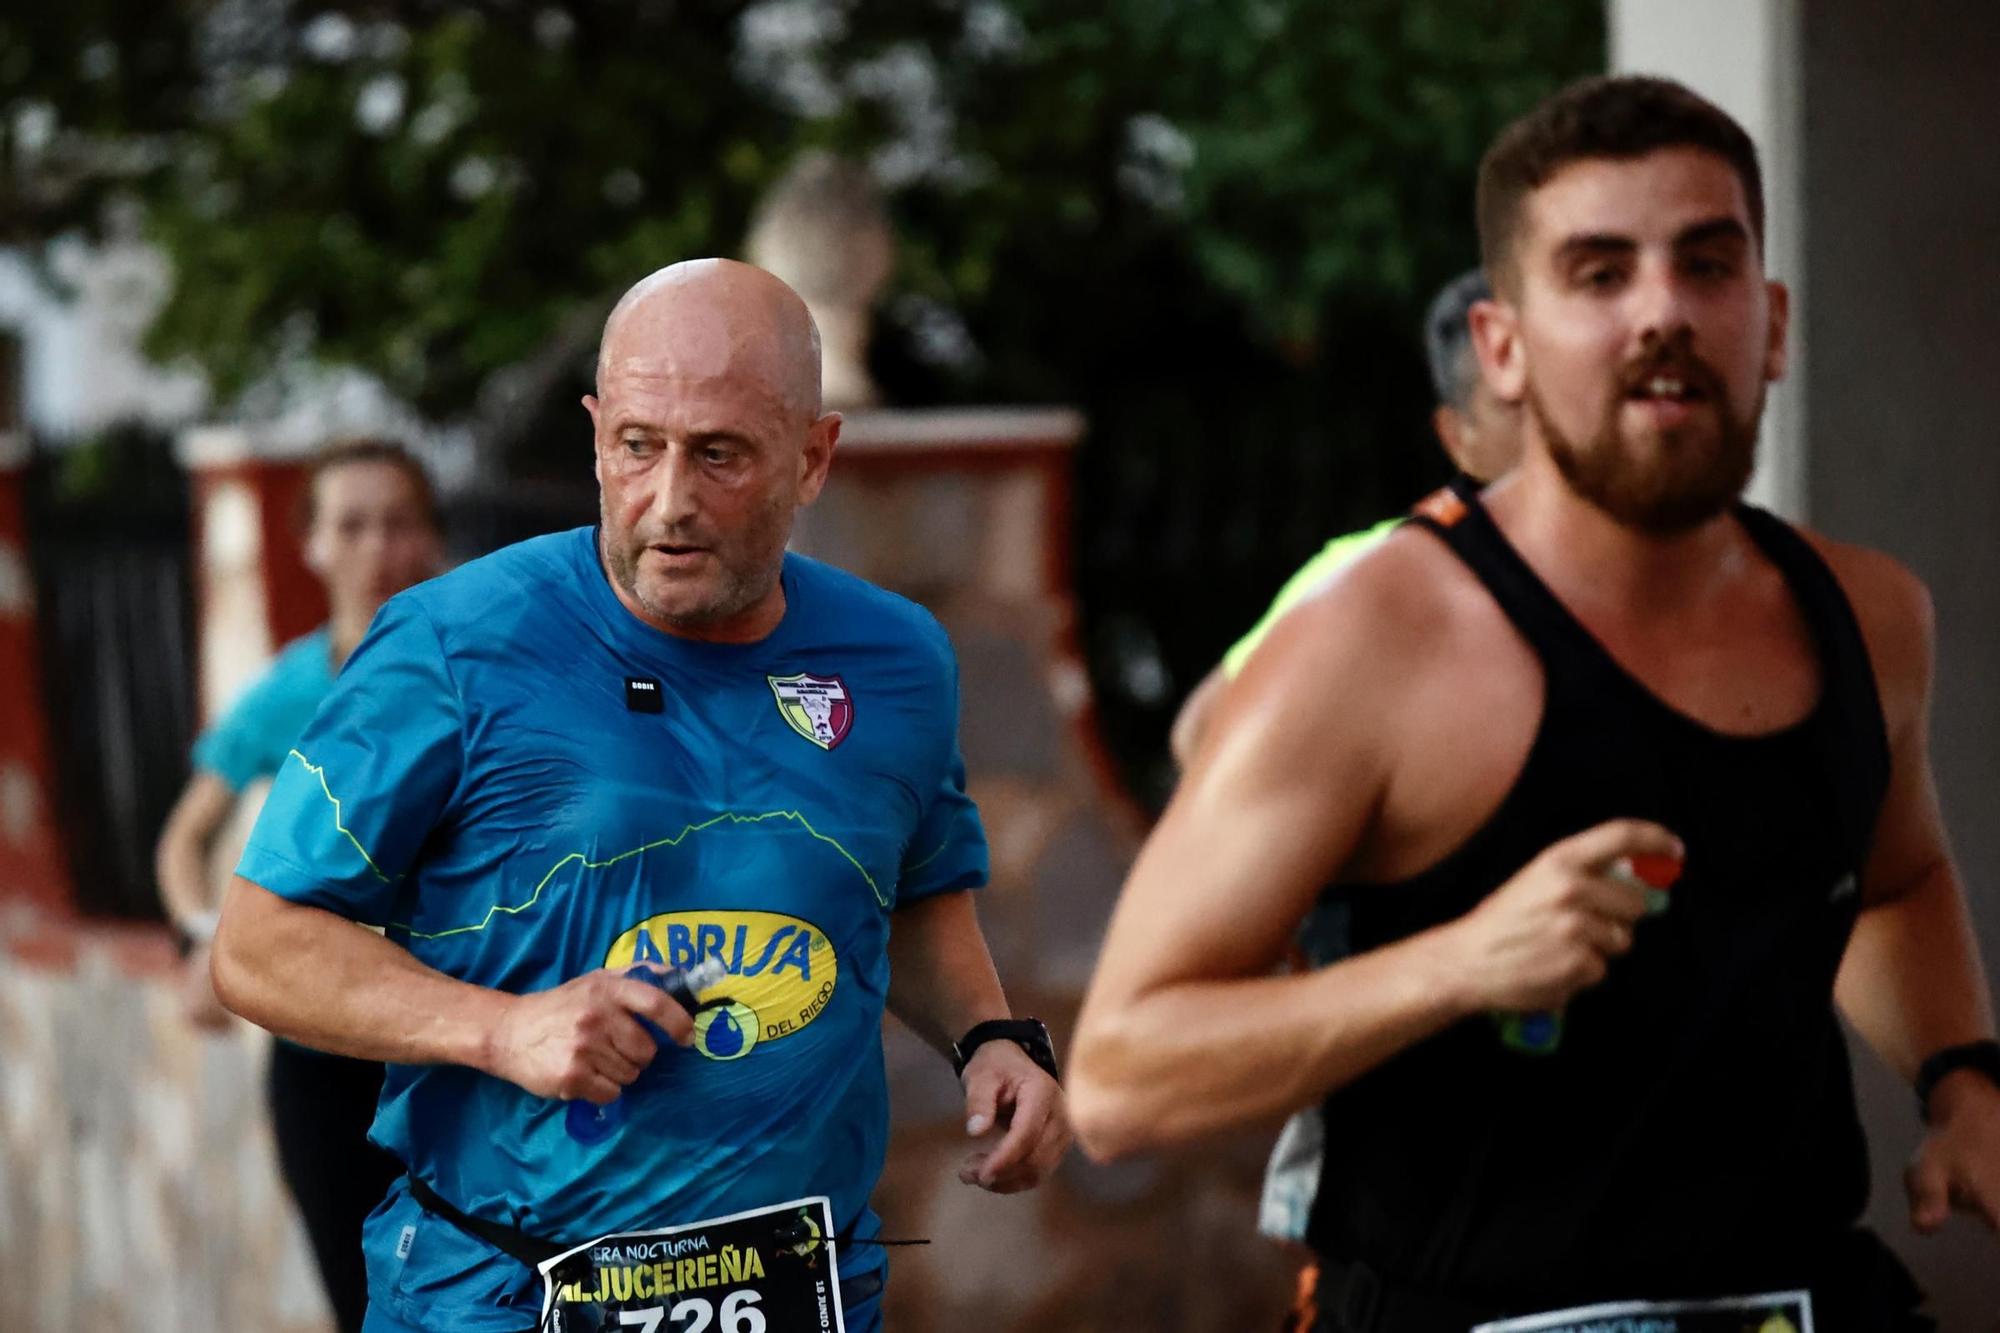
x: 1893, y: 608
x: 1877, y: 584
x: 520, y: 577
x: 1330, y: 559
x: 1402, y: 595
x: 1390, y: 629
x: 849, y: 605
x: 1350, y: 545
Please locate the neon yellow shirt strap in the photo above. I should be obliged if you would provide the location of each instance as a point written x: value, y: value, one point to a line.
x: 1301, y: 585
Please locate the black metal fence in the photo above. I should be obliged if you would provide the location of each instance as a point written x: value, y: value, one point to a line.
x: 108, y: 547
x: 1201, y: 489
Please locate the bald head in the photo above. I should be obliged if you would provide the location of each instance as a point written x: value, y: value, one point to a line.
x: 716, y: 318
x: 708, y: 437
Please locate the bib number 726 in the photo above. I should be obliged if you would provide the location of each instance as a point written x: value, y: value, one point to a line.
x: 739, y: 1314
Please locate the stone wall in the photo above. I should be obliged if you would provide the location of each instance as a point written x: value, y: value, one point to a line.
x: 138, y: 1189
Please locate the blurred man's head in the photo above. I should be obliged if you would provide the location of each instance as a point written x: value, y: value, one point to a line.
x: 372, y: 525
x: 709, y: 437
x: 1480, y: 432
x: 1622, y: 222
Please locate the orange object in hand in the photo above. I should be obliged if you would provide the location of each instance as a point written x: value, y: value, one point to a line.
x: 1654, y: 874
x: 1659, y: 872
x: 1541, y: 1033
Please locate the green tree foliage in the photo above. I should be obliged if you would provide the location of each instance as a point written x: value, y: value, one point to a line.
x: 1212, y: 224
x: 428, y: 190
x: 91, y: 94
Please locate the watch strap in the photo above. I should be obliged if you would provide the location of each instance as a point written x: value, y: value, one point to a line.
x: 1030, y: 1034
x: 1982, y: 1057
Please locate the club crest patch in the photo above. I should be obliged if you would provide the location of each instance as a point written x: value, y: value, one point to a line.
x: 819, y: 708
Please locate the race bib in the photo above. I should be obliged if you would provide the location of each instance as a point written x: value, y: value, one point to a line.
x: 768, y: 1271
x: 1772, y: 1312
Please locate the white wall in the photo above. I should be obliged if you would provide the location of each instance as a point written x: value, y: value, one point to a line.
x: 80, y: 325
x: 1741, y: 55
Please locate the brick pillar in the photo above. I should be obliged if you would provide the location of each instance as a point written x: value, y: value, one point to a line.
x: 253, y: 592
x: 31, y: 858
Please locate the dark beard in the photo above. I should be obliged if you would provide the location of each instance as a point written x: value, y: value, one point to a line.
x: 1696, y: 475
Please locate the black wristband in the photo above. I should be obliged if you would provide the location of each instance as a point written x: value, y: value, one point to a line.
x: 1030, y: 1034
x: 1982, y: 1057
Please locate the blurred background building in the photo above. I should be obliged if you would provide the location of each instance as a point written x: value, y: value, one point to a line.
x: 1140, y: 283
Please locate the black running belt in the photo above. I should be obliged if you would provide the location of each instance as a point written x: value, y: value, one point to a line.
x: 530, y: 1250
x: 534, y: 1251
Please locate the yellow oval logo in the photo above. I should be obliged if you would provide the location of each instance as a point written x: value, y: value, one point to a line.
x: 782, y: 972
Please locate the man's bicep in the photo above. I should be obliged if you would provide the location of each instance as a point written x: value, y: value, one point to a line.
x: 1909, y: 843
x: 1268, y: 816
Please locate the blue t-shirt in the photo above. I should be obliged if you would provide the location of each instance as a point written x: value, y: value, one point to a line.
x: 252, y: 738
x: 486, y: 780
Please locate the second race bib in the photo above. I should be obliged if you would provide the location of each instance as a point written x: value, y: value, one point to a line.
x: 1772, y: 1312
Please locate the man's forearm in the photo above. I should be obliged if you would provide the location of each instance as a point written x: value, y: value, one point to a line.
x: 1195, y: 1058
x: 941, y: 976
x: 325, y: 982
x: 1911, y: 982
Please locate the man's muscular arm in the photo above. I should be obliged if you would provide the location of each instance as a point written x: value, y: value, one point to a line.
x: 1911, y: 981
x: 1197, y: 715
x: 1183, y: 1032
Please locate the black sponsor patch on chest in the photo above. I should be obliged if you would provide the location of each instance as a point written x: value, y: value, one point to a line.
x: 643, y: 695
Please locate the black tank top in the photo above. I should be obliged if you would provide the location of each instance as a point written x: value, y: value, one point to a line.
x: 1695, y: 1130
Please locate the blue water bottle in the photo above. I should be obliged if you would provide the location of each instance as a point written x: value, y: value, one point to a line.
x: 588, y: 1122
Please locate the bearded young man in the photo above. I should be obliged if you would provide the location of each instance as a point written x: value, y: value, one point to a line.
x: 1469, y: 741
x: 652, y: 743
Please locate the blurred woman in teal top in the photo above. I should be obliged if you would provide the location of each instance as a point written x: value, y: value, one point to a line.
x: 371, y: 530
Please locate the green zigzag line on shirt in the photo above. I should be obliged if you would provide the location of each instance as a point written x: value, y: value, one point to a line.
x: 727, y: 816
x: 333, y: 800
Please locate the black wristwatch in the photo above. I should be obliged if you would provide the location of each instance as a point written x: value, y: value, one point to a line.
x: 1030, y: 1034
x: 1983, y: 1057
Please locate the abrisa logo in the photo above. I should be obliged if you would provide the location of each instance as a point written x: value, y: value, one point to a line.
x: 782, y: 972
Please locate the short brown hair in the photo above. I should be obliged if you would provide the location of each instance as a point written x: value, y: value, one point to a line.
x: 369, y: 449
x: 1623, y: 116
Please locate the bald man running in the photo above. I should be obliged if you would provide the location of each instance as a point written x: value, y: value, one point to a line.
x: 600, y: 754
